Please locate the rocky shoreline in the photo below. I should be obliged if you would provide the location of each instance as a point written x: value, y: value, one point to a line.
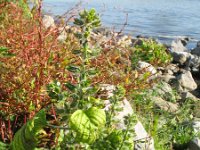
x: 181, y: 75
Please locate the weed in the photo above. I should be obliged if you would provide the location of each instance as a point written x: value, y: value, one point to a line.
x: 151, y: 52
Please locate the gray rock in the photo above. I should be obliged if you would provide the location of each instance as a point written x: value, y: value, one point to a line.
x: 180, y: 57
x: 197, y: 109
x: 186, y: 81
x: 186, y: 95
x: 126, y: 110
x: 195, y: 143
x: 196, y: 50
x: 178, y: 46
x: 165, y: 91
x: 136, y: 42
x: 164, y: 105
x: 142, y: 140
x: 146, y: 67
x: 124, y: 41
x: 194, y: 61
x: 167, y: 78
x: 173, y: 67
x: 48, y: 21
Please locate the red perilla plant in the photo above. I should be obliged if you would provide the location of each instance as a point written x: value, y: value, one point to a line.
x: 36, y: 57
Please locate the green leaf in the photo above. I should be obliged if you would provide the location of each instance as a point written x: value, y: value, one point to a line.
x: 70, y: 86
x: 26, y: 138
x: 76, y: 52
x: 3, y: 49
x: 73, y: 69
x: 87, y: 124
x: 3, y: 146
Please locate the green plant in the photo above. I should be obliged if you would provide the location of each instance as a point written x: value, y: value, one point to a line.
x: 169, y: 130
x: 87, y: 125
x: 28, y: 136
x: 151, y: 52
x: 85, y: 115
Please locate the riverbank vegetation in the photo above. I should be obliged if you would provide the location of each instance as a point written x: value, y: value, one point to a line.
x: 50, y: 90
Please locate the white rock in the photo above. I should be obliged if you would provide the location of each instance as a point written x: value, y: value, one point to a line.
x: 124, y: 41
x: 177, y: 46
x: 167, y: 78
x: 106, y: 91
x: 196, y: 50
x: 181, y: 57
x: 127, y: 110
x: 195, y: 143
x: 48, y: 21
x: 142, y: 140
x: 186, y: 81
x: 165, y: 91
x: 165, y: 105
x: 144, y: 66
x: 189, y: 95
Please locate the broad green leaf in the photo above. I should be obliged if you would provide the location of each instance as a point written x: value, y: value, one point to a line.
x: 26, y: 137
x: 87, y: 124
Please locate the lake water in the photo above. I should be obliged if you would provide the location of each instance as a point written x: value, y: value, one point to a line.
x: 163, y: 19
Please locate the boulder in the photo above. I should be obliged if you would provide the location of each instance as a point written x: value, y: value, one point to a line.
x: 186, y: 80
x: 142, y: 140
x: 178, y: 45
x: 167, y: 78
x: 180, y: 57
x: 165, y: 91
x: 146, y: 67
x: 194, y: 61
x: 173, y: 67
x: 106, y: 91
x: 195, y: 143
x: 124, y: 41
x: 48, y: 21
x: 197, y: 109
x: 164, y: 105
x: 196, y: 50
x: 188, y: 95
x: 126, y: 110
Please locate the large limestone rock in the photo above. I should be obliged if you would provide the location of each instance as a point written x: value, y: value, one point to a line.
x: 186, y: 81
x: 195, y: 143
x: 188, y: 95
x: 143, y: 141
x: 165, y: 105
x: 196, y: 50
x: 48, y: 21
x: 180, y: 57
x: 167, y: 78
x: 146, y: 67
x: 165, y: 91
x: 178, y: 45
x: 194, y: 62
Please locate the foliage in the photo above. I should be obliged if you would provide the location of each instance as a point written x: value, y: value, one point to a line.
x: 27, y: 136
x: 89, y: 127
x: 151, y: 52
x: 31, y: 56
x: 87, y: 124
x: 39, y: 72
x: 168, y: 130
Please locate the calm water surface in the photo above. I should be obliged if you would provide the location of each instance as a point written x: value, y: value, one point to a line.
x: 163, y: 19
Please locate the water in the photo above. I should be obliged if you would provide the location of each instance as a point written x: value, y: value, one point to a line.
x: 163, y: 19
